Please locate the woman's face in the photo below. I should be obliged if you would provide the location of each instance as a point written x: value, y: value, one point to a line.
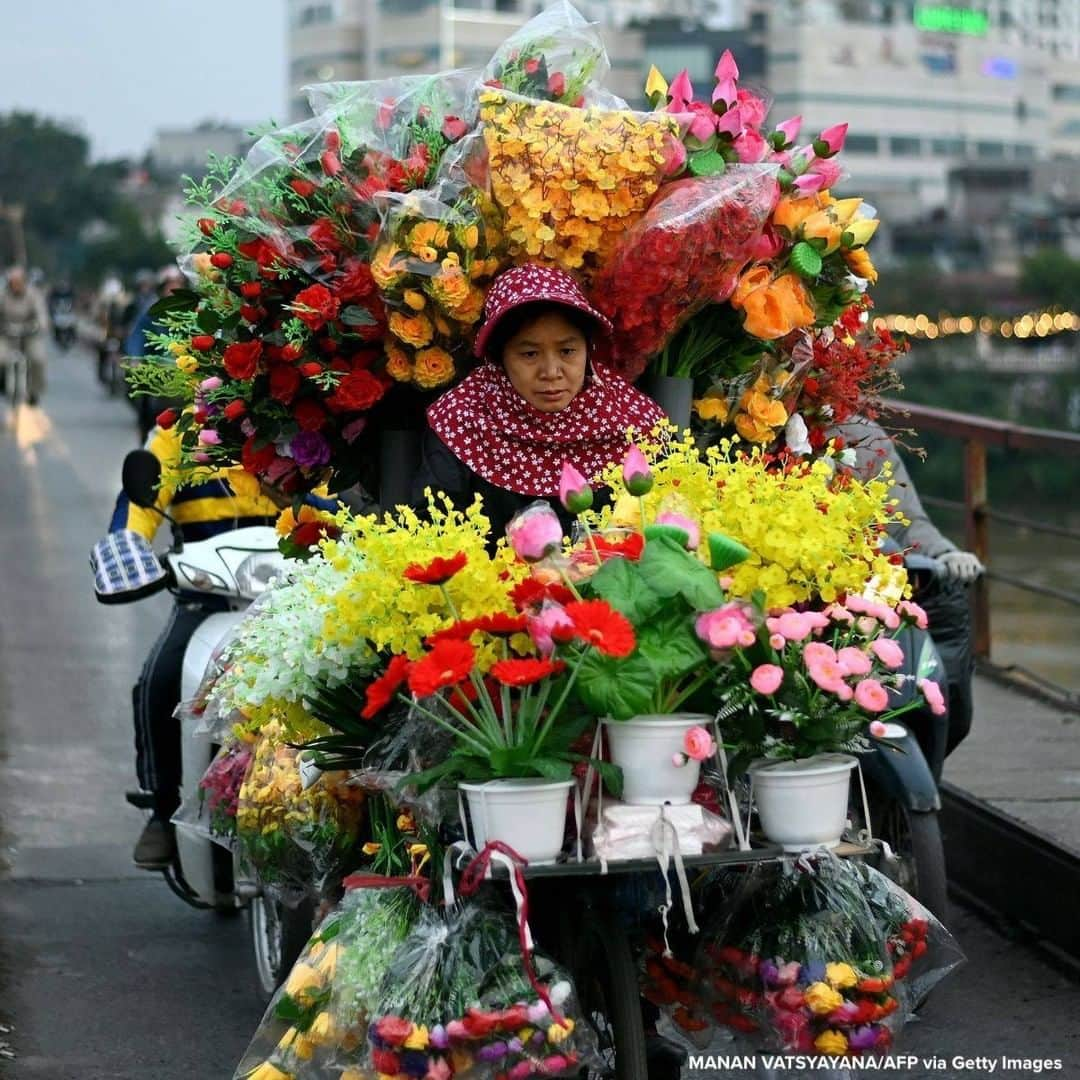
x: 546, y: 360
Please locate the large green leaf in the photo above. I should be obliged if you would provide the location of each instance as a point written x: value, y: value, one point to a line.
x: 178, y: 300
x: 670, y: 570
x: 617, y: 688
x: 620, y: 583
x: 354, y: 315
x: 669, y: 643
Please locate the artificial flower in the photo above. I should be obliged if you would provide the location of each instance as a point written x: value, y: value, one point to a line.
x: 380, y: 692
x: 767, y: 678
x: 448, y: 663
x: 525, y: 672
x: 438, y: 571
x: 598, y: 624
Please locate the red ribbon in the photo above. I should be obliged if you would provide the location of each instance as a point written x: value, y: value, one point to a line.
x: 472, y: 877
x: 419, y: 885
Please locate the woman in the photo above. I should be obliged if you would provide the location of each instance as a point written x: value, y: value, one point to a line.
x: 539, y: 398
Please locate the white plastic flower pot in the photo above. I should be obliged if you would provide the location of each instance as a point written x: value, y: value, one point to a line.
x: 527, y: 815
x: 645, y: 748
x: 803, y: 804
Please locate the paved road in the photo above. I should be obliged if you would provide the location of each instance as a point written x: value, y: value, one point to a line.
x: 104, y: 975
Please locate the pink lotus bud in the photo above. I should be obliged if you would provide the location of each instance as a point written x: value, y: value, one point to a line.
x: 681, y: 92
x: 809, y: 183
x: 688, y: 526
x: 726, y: 68
x: 674, y: 155
x: 574, y: 491
x: 210, y: 384
x: 535, y: 533
x: 726, y: 93
x: 636, y: 474
x: 830, y: 141
x: 543, y: 627
x: 209, y: 437
x: 730, y: 123
x: 703, y: 125
x: 790, y: 131
x: 828, y: 170
x: 754, y: 108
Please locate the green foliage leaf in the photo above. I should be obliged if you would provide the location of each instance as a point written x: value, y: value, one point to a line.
x: 806, y: 260
x: 178, y: 300
x: 669, y: 643
x: 620, y: 583
x: 670, y: 570
x: 614, y: 688
x: 354, y: 315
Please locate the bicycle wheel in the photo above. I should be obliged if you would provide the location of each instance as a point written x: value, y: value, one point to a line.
x: 605, y: 974
x: 16, y: 379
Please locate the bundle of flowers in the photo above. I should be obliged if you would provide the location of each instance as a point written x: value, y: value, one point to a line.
x: 316, y: 1025
x: 437, y: 253
x: 295, y: 837
x: 570, y: 181
x: 798, y: 683
x: 686, y: 252
x: 799, y: 964
x: 276, y: 352
x: 455, y: 1001
x: 213, y: 811
x: 810, y: 534
x: 302, y: 530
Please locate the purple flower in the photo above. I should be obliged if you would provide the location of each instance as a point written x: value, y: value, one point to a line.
x: 495, y: 1051
x: 770, y: 973
x: 864, y: 1038
x: 812, y: 973
x: 438, y: 1038
x: 309, y: 449
x: 247, y: 427
x: 351, y: 431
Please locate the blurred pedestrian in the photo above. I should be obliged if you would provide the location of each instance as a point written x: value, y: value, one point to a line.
x: 24, y: 326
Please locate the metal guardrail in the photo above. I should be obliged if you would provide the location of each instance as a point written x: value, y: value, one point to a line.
x: 978, y: 434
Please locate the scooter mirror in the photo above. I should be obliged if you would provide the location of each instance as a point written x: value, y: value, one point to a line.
x: 140, y: 478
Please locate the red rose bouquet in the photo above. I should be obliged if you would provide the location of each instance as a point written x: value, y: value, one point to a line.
x: 277, y: 350
x: 685, y: 252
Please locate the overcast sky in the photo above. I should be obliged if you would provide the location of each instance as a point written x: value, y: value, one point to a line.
x: 122, y: 68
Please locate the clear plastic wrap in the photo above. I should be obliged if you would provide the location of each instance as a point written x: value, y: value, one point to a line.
x: 437, y: 252
x: 569, y: 181
x: 316, y: 1025
x: 296, y: 839
x: 455, y: 1000
x: 686, y: 252
x: 210, y: 812
x: 556, y: 56
x: 800, y: 963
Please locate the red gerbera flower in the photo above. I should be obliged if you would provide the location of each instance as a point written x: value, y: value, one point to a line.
x: 525, y: 672
x: 438, y: 571
x: 630, y: 547
x: 532, y: 593
x: 381, y: 692
x: 500, y: 624
x: 449, y: 663
x: 598, y: 624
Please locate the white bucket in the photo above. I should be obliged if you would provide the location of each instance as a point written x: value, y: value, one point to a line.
x: 644, y: 748
x: 526, y: 814
x: 803, y: 804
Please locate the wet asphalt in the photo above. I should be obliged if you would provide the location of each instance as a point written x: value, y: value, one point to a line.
x: 104, y: 974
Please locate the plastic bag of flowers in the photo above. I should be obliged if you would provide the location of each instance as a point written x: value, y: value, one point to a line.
x: 456, y: 999
x: 556, y: 56
x: 296, y: 839
x: 687, y: 251
x: 437, y: 252
x: 922, y: 950
x: 569, y: 181
x: 210, y: 811
x: 316, y: 1024
x: 799, y: 963
x: 276, y: 354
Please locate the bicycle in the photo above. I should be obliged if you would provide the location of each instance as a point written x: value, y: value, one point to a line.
x: 15, y: 374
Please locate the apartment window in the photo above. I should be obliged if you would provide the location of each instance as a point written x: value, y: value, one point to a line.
x: 698, y: 59
x: 990, y: 149
x: 1024, y: 151
x: 905, y: 146
x: 947, y: 147
x: 311, y: 14
x: 859, y: 143
x: 1067, y: 92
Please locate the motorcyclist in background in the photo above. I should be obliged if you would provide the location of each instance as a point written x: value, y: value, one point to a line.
x: 226, y: 500
x: 947, y: 607
x: 137, y: 344
x: 24, y: 325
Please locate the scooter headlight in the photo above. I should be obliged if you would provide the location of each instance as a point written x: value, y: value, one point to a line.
x: 256, y: 573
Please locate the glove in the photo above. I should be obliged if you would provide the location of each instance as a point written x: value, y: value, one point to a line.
x: 961, y: 566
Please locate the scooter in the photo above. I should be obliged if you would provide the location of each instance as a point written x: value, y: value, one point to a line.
x: 64, y: 323
x: 233, y: 567
x: 902, y: 774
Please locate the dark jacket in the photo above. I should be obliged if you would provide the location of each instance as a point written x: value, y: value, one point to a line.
x: 441, y: 470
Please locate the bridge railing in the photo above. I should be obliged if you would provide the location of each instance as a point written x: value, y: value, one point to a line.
x: 978, y: 434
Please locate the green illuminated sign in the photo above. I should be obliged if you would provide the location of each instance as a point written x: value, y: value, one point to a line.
x: 952, y: 20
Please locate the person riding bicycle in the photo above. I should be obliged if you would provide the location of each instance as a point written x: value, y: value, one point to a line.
x: 200, y: 511
x: 24, y: 326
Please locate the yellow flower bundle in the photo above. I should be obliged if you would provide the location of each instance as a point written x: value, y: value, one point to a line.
x: 811, y: 534
x: 571, y: 181
x: 432, y: 269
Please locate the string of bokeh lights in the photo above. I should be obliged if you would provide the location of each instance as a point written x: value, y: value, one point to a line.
x: 1034, y: 324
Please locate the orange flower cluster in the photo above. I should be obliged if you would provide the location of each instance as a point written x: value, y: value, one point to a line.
x: 432, y: 268
x: 772, y: 306
x: 571, y: 181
